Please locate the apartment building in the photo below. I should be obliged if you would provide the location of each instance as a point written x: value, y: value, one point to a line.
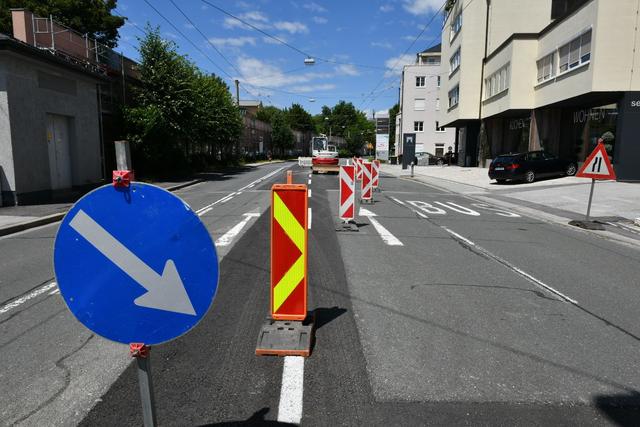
x: 557, y: 75
x: 417, y: 123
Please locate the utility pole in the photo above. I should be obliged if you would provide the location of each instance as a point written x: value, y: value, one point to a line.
x: 237, y: 92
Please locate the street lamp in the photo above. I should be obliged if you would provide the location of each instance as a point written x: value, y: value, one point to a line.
x: 327, y: 120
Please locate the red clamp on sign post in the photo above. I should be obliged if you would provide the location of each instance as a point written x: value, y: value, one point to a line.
x: 123, y: 177
x: 375, y: 174
x: 366, y: 195
x: 290, y: 330
x: 597, y: 167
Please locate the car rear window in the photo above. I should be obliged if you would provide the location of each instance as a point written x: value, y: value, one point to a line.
x: 506, y: 159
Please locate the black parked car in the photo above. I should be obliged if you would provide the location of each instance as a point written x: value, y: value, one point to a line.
x: 529, y: 166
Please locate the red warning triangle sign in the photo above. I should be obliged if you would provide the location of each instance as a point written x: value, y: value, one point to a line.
x: 597, y: 165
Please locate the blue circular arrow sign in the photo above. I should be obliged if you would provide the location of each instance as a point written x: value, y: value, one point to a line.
x: 135, y: 264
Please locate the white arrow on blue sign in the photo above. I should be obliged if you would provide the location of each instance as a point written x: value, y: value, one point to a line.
x: 135, y: 264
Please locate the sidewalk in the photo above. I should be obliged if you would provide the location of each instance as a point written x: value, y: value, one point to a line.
x: 566, y: 196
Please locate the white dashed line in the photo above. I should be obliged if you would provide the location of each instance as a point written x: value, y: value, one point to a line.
x: 397, y: 200
x: 385, y: 234
x: 202, y: 212
x: 228, y: 237
x: 18, y: 302
x: 453, y: 233
x: 309, y: 181
x: 309, y: 219
x: 292, y: 391
x: 309, y: 192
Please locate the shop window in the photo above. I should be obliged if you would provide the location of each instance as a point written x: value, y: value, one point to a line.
x: 454, y: 96
x: 419, y: 104
x: 420, y: 81
x: 418, y: 126
x: 575, y: 53
x: 439, y: 150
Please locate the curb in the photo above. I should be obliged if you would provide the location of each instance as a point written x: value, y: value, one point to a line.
x: 44, y: 220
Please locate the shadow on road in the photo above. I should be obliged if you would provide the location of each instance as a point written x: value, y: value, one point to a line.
x: 257, y: 419
x: 325, y: 315
x: 622, y: 409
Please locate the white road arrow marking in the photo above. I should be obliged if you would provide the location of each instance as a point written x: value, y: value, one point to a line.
x: 227, y: 237
x: 385, y: 234
x: 164, y: 292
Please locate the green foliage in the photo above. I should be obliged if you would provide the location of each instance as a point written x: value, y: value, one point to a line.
x: 281, y: 134
x: 393, y: 112
x: 265, y: 114
x: 346, y: 121
x: 299, y: 118
x: 85, y: 16
x: 182, y: 118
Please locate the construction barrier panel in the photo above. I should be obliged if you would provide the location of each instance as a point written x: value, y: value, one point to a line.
x: 366, y: 188
x: 347, y: 192
x: 289, y: 251
x: 359, y: 162
x: 375, y: 174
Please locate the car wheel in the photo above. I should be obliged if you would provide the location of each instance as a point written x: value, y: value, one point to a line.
x: 571, y: 170
x: 440, y: 162
x: 501, y: 181
x: 529, y: 177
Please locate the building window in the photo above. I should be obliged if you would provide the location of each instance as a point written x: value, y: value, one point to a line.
x: 438, y: 128
x: 437, y: 104
x: 418, y: 126
x: 433, y: 60
x: 419, y: 104
x: 454, y: 96
x: 546, y: 68
x: 420, y: 81
x: 454, y: 62
x: 438, y: 81
x: 456, y: 26
x: 497, y: 82
x: 575, y: 53
x: 439, y: 150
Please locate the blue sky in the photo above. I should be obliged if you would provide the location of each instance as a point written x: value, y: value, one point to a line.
x: 356, y: 44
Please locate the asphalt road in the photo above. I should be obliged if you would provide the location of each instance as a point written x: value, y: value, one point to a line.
x: 438, y: 311
x: 52, y: 369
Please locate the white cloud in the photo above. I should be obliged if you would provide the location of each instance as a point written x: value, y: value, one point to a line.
x: 260, y: 73
x: 269, y: 40
x: 314, y: 7
x: 171, y: 35
x: 394, y: 65
x: 320, y: 20
x: 233, y: 42
x: 347, y: 70
x: 386, y: 8
x: 189, y: 26
x: 313, y: 88
x: 291, y: 27
x: 409, y: 38
x: 421, y: 7
x: 255, y: 18
x: 385, y: 45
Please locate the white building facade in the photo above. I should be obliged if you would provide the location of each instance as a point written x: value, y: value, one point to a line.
x: 420, y: 101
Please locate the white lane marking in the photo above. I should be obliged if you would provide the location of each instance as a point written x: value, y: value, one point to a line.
x: 228, y: 237
x: 420, y: 214
x: 205, y: 211
x: 55, y: 291
x: 309, y: 219
x: 259, y: 180
x: 397, y: 200
x: 623, y: 227
x: 512, y: 267
x: 309, y: 181
x: 33, y: 294
x: 464, y: 239
x: 309, y: 192
x: 460, y: 209
x: 292, y: 390
x: 385, y: 234
x: 165, y: 291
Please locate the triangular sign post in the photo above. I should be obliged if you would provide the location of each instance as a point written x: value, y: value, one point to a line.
x: 597, y: 166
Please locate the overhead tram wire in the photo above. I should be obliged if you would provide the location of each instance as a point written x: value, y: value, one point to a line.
x: 196, y: 46
x: 284, y: 43
x: 364, y: 102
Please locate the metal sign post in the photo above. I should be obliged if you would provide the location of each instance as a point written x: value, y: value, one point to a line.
x: 593, y: 184
x: 142, y: 353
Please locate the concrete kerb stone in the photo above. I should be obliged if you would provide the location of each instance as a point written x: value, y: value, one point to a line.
x: 49, y: 219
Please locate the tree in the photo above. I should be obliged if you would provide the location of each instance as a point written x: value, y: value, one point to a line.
x: 85, y: 16
x: 265, y: 114
x: 281, y: 134
x: 299, y: 118
x: 393, y: 112
x: 346, y: 121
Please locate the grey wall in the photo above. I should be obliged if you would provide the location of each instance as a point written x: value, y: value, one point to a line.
x: 34, y: 90
x: 7, y: 182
